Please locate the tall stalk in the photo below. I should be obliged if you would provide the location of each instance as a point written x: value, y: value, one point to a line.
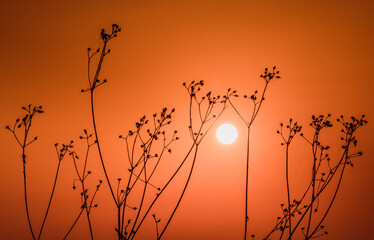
x: 246, y: 218
x: 25, y: 193
x: 94, y: 123
x: 324, y: 171
x: 181, y: 196
x: 26, y: 123
x: 60, y: 157
x: 92, y: 87
x: 205, y: 115
x: 293, y: 129
x: 257, y: 103
x: 288, y: 191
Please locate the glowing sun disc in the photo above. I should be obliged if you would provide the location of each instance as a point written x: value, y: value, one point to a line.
x: 226, y: 134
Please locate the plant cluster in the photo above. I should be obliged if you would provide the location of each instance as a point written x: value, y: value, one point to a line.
x: 150, y: 140
x: 305, y: 213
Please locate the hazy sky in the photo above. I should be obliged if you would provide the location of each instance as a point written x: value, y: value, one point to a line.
x: 323, y: 49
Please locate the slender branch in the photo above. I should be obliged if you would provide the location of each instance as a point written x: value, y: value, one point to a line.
x: 161, y: 191
x: 50, y: 198
x: 98, y: 145
x: 184, y: 190
x: 25, y: 193
x: 288, y: 191
x: 76, y: 220
x: 246, y: 219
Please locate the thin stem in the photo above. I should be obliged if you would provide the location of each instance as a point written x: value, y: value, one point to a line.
x: 25, y: 192
x: 50, y: 199
x: 119, y: 220
x: 246, y: 219
x: 24, y: 176
x: 92, y: 88
x: 288, y: 192
x: 313, y: 184
x: 89, y: 222
x: 98, y: 144
x: 333, y: 198
x: 255, y: 112
x: 85, y: 196
x: 327, y: 181
x: 236, y: 110
x: 143, y: 196
x: 161, y: 191
x: 76, y: 220
x: 260, y: 103
x: 184, y: 190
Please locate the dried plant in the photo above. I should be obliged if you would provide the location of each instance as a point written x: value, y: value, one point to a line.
x: 140, y: 143
x: 306, y: 212
x: 151, y: 139
x: 87, y: 203
x: 257, y: 103
x: 21, y: 130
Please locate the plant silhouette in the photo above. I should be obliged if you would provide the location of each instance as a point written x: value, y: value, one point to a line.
x: 306, y: 211
x: 257, y: 103
x: 151, y: 139
x: 143, y: 152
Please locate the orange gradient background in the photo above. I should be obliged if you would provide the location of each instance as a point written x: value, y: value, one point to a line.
x: 323, y: 50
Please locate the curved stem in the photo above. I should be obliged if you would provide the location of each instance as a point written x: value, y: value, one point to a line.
x: 288, y: 193
x: 50, y: 199
x: 76, y: 220
x: 162, y: 190
x: 184, y: 190
x: 92, y: 88
x: 332, y: 200
x: 320, y: 191
x: 98, y: 144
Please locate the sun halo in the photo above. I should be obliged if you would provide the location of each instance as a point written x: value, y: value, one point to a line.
x: 226, y: 133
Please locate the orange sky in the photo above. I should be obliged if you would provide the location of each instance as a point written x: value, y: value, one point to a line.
x: 324, y: 50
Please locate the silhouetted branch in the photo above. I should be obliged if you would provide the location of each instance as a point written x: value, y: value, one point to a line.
x: 257, y: 103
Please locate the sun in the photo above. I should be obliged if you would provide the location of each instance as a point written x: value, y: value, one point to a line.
x: 226, y: 134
